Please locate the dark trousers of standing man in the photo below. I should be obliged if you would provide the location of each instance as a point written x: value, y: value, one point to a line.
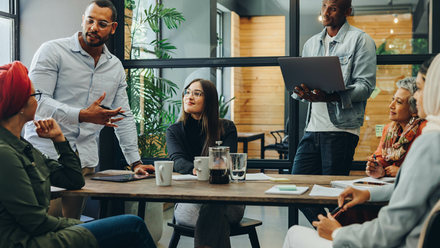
x: 324, y: 153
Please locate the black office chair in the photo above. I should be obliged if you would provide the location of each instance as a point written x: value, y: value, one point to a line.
x: 246, y: 226
x: 431, y: 229
x: 281, y: 142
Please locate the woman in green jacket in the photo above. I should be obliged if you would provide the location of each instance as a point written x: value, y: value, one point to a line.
x: 26, y: 176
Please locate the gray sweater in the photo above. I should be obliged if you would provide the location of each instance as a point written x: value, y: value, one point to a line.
x: 416, y: 191
x: 182, y: 153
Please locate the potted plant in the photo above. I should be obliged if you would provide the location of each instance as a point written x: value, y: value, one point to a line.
x: 150, y: 96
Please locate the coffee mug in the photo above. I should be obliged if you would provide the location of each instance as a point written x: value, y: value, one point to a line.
x: 201, y: 164
x: 164, y: 172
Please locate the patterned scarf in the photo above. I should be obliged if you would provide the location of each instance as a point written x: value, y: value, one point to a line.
x: 395, y: 146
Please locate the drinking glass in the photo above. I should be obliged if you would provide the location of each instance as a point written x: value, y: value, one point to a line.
x: 238, y: 166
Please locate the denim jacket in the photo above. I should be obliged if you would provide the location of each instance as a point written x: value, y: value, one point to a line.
x: 357, y: 54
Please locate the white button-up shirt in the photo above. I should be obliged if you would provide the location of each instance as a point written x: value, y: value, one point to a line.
x: 69, y: 80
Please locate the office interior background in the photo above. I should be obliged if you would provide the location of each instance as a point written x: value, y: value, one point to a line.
x: 235, y: 44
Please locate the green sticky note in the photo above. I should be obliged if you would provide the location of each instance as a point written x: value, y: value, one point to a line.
x: 287, y: 187
x: 379, y: 129
x: 375, y: 92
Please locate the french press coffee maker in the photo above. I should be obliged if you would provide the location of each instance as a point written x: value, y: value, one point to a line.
x: 219, y: 164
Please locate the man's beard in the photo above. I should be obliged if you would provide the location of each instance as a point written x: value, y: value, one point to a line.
x: 99, y: 43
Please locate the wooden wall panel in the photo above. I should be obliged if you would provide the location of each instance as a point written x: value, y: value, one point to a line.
x: 259, y: 91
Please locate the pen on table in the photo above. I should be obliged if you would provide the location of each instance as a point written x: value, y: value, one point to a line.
x: 105, y: 107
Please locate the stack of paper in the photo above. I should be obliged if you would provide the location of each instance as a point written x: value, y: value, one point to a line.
x: 345, y: 183
x: 325, y: 191
x: 186, y: 177
x: 257, y: 177
x: 275, y: 190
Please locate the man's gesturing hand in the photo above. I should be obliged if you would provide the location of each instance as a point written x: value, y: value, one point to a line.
x: 97, y: 115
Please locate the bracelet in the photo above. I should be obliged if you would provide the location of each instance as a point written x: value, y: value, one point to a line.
x: 135, y: 164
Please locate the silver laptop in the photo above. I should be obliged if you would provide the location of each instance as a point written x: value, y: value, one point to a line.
x: 322, y: 73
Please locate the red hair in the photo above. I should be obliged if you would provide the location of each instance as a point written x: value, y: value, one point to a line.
x: 15, y: 89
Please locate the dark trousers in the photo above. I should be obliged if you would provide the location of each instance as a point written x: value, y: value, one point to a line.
x: 121, y: 231
x: 324, y: 153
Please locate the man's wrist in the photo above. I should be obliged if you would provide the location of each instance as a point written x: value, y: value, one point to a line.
x: 81, y: 116
x: 133, y: 165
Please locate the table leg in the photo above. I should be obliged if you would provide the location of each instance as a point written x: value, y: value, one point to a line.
x: 103, y: 208
x: 293, y: 216
x: 262, y: 148
x: 141, y: 209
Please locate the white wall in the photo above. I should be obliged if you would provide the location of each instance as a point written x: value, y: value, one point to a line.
x: 45, y: 20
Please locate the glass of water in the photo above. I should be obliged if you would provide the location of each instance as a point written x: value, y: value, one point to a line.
x: 238, y: 166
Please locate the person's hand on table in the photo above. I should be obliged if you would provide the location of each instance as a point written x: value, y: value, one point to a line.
x: 97, y: 115
x: 357, y: 196
x: 194, y: 172
x: 391, y: 170
x: 326, y: 226
x: 49, y: 129
x: 143, y: 169
x: 372, y: 170
x: 308, y: 95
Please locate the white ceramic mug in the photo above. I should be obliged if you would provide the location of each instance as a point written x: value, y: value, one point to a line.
x: 164, y: 172
x: 201, y: 164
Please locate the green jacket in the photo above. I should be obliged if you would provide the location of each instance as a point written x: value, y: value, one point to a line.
x: 25, y: 179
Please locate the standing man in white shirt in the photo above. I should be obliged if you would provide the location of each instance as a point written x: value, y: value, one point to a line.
x: 77, y: 75
x: 334, y: 118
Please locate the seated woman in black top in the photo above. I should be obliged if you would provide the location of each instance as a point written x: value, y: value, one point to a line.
x: 197, y: 129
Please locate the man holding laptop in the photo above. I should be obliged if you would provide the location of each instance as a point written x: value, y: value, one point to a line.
x: 334, y: 117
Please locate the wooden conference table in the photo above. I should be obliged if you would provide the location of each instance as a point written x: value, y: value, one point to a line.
x: 243, y: 193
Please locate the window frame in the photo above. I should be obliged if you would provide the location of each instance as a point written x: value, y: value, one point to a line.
x: 293, y: 111
x: 14, y: 15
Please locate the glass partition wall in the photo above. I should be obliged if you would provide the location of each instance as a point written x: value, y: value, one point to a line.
x: 236, y: 45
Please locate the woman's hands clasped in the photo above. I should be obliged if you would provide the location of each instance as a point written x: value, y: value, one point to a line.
x: 49, y: 129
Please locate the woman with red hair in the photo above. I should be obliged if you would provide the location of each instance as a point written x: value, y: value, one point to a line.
x: 26, y: 176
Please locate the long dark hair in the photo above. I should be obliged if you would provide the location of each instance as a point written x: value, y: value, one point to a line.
x: 424, y: 67
x: 210, y: 118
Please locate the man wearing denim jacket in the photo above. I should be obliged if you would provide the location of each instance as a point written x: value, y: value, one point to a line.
x: 334, y: 118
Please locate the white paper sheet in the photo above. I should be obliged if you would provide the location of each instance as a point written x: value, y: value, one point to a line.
x: 56, y: 189
x: 184, y: 177
x: 325, y: 191
x: 275, y: 190
x: 257, y: 177
x: 344, y: 183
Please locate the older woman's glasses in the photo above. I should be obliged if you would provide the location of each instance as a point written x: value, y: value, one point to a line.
x: 37, y: 95
x: 101, y: 24
x: 195, y: 93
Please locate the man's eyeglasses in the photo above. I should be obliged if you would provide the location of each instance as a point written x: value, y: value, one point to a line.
x: 195, y: 93
x: 101, y: 24
x: 37, y: 95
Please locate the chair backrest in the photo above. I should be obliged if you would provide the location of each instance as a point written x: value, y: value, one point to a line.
x: 286, y: 132
x: 429, y: 236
